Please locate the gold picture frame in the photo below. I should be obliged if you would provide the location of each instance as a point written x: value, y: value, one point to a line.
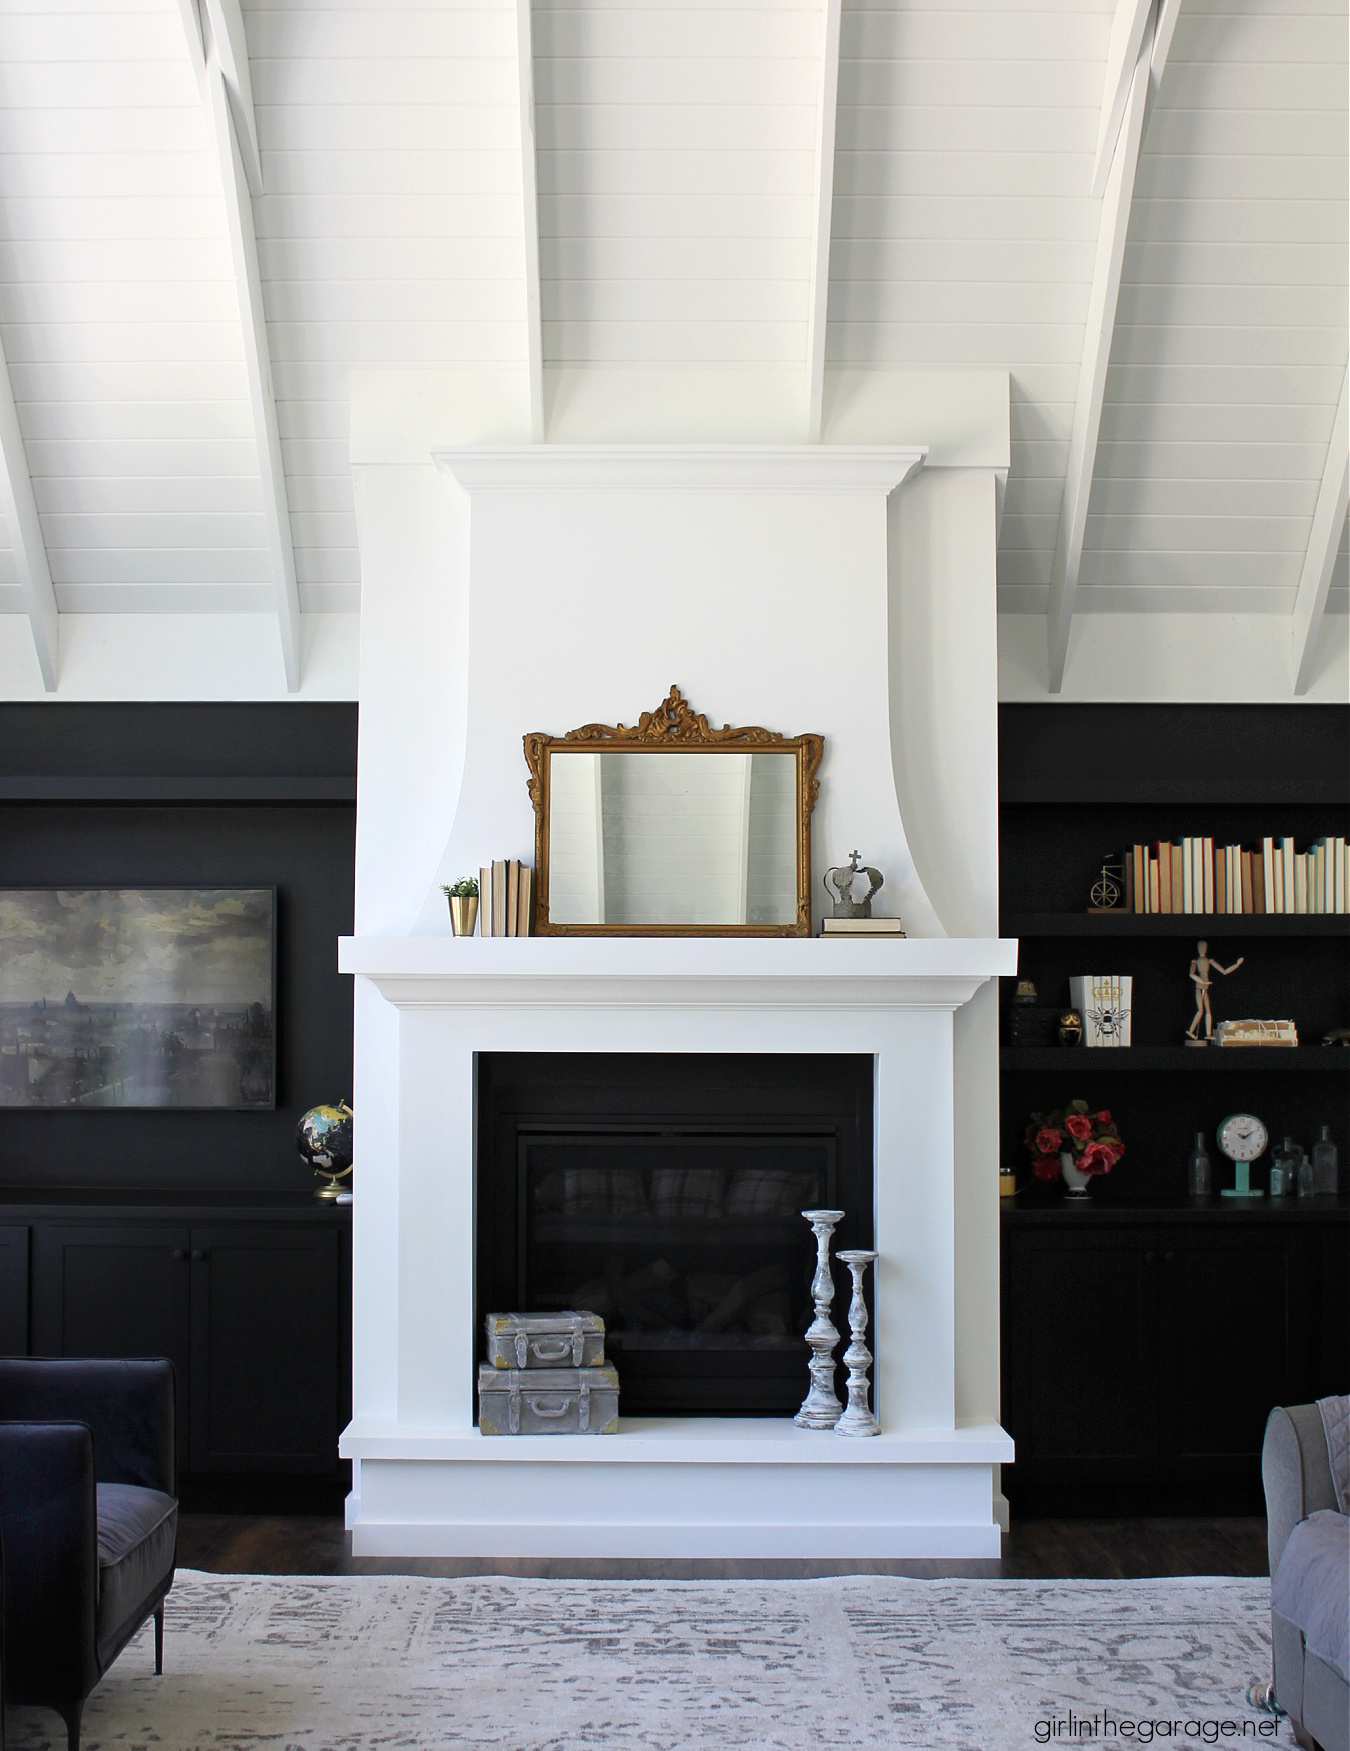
x: 674, y: 728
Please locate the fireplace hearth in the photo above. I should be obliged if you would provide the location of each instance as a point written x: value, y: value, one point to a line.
x: 664, y: 1192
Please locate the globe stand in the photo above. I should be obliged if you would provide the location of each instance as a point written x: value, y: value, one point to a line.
x: 332, y: 1189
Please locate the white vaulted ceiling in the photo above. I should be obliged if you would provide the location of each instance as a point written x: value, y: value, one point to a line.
x: 676, y: 166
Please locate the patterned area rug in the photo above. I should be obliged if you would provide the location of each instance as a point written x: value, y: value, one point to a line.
x: 392, y: 1662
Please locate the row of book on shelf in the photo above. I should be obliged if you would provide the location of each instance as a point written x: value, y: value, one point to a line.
x: 1196, y: 875
x: 505, y: 891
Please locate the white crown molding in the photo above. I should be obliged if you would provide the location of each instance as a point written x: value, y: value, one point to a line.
x: 708, y: 973
x: 718, y: 467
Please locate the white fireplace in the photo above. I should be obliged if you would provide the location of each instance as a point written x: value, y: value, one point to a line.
x: 527, y: 588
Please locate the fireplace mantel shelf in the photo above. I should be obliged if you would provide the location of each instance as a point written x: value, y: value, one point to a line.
x: 416, y: 972
x: 685, y: 1441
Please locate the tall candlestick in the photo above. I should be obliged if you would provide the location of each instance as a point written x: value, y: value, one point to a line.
x: 858, y: 1418
x: 821, y: 1407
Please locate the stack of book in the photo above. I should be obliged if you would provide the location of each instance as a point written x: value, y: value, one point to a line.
x: 1196, y: 875
x: 504, y: 895
x: 860, y: 927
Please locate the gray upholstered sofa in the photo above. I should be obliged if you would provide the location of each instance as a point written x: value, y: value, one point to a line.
x: 1309, y: 1581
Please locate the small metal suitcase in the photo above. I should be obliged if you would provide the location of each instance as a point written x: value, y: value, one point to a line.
x: 545, y: 1340
x: 548, y: 1401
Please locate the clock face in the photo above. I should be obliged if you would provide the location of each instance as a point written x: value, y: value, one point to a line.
x: 1242, y: 1137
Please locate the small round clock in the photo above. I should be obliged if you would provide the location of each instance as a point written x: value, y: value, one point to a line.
x: 1242, y: 1137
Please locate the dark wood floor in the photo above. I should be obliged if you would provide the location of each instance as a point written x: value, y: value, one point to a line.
x: 1033, y: 1550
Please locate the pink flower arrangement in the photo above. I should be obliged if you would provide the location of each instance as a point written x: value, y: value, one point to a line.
x: 1092, y: 1138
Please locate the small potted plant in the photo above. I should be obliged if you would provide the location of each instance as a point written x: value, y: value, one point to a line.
x: 463, y: 898
x: 1073, y: 1143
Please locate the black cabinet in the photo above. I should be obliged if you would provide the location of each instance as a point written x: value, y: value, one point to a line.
x: 1144, y: 1349
x: 1059, y: 1292
x: 13, y: 1291
x: 265, y: 1338
x: 251, y: 1305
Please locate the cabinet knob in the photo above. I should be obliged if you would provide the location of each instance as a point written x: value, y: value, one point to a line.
x: 179, y: 1254
x: 199, y: 1253
x: 1168, y: 1257
x: 1149, y: 1257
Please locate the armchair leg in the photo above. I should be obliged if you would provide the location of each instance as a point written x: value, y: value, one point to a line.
x: 71, y: 1716
x: 159, y: 1640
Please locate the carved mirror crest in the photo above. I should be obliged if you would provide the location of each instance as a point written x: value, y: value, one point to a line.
x: 672, y: 828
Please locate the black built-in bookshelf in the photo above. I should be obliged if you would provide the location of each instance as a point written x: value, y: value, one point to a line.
x: 1080, y: 783
x: 1146, y: 1336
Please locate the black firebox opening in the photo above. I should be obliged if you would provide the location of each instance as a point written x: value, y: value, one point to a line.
x: 664, y: 1191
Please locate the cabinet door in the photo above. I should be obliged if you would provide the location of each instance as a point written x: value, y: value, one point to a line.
x: 114, y: 1291
x: 1233, y: 1334
x: 265, y: 1344
x: 13, y: 1291
x: 1078, y: 1358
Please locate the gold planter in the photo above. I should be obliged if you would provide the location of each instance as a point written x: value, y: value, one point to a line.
x: 463, y: 913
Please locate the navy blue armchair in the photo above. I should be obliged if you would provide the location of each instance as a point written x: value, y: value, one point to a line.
x: 88, y: 1519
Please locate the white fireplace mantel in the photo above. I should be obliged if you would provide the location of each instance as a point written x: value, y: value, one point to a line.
x: 704, y: 973
x: 791, y: 468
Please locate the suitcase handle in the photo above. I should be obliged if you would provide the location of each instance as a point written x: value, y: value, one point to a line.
x: 541, y: 1407
x: 552, y: 1349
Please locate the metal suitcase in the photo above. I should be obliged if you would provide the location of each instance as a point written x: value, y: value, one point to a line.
x: 545, y: 1340
x: 548, y: 1401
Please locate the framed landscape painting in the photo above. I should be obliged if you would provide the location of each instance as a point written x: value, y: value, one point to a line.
x: 138, y: 997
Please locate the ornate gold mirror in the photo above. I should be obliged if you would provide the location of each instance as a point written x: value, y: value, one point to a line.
x: 672, y: 828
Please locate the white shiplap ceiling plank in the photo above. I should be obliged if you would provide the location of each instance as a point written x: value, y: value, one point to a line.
x: 1115, y: 219
x: 529, y: 189
x: 1324, y: 541
x: 25, y: 532
x: 821, y: 214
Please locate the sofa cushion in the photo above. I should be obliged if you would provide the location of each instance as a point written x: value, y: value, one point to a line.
x: 1336, y: 1422
x: 137, y: 1533
x: 1309, y: 1586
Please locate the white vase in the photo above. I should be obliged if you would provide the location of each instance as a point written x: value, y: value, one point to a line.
x: 1076, y: 1181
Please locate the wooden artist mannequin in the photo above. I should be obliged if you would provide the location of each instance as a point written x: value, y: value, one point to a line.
x: 1201, y: 968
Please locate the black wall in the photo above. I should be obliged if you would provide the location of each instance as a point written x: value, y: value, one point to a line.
x: 192, y: 795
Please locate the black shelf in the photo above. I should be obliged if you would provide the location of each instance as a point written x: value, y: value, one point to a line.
x: 175, y: 788
x: 1216, y: 925
x: 1212, y: 1059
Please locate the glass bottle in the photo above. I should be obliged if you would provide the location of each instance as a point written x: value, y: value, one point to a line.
x: 1284, y: 1169
x: 1307, y: 1183
x: 1199, y: 1170
x: 1325, y: 1164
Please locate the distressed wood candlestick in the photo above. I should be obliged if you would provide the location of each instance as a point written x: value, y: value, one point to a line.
x: 858, y: 1418
x: 821, y: 1407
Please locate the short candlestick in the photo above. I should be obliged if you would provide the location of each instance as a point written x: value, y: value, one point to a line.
x: 821, y: 1407
x: 858, y: 1418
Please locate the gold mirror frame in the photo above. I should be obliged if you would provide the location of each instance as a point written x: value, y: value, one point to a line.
x: 673, y: 728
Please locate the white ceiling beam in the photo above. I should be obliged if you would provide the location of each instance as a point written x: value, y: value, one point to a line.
x: 529, y: 187
x: 25, y: 531
x: 1169, y: 11
x: 1098, y: 332
x: 818, y: 309
x: 1122, y: 57
x: 1323, y: 543
x: 212, y: 48
x: 231, y: 47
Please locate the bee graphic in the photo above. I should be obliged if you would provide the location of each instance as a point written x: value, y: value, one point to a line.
x: 1109, y: 1022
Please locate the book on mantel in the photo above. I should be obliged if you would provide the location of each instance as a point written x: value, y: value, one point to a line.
x: 861, y: 927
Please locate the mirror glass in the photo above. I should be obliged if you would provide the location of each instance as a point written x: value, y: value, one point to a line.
x: 666, y: 836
